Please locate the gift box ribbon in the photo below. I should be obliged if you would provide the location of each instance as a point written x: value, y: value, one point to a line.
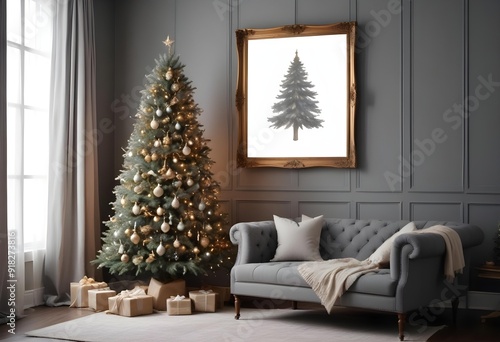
x: 137, y: 291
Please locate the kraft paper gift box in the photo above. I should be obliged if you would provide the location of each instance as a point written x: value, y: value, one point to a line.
x: 98, y: 298
x: 162, y: 291
x: 204, y: 300
x: 80, y: 291
x: 224, y: 294
x: 131, y: 303
x: 179, y: 305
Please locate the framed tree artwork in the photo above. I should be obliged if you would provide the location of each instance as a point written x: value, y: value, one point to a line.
x: 296, y: 96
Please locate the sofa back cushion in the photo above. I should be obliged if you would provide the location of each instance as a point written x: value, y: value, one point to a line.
x: 349, y: 238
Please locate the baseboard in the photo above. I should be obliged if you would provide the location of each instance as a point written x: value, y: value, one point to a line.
x: 476, y: 300
x: 33, y: 297
x: 479, y: 300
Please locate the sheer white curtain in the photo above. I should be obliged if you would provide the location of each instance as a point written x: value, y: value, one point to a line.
x: 26, y: 44
x: 73, y: 232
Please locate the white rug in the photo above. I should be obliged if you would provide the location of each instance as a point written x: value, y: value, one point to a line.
x: 254, y: 324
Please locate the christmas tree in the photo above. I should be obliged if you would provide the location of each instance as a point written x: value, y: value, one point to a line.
x: 167, y: 221
x: 297, y: 105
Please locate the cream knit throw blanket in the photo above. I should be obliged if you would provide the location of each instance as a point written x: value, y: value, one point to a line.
x: 331, y: 278
x: 454, y: 261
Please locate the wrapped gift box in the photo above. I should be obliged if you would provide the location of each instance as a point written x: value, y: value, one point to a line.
x: 179, y: 305
x: 98, y: 298
x: 80, y: 291
x: 224, y: 294
x: 204, y: 300
x: 162, y: 291
x: 131, y: 303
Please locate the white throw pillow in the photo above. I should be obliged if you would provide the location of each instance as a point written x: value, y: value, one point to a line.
x: 298, y: 240
x: 383, y: 254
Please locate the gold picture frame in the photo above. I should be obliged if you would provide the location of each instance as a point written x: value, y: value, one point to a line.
x: 296, y: 96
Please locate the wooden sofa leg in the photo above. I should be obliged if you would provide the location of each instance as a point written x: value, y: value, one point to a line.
x: 236, y: 307
x: 401, y: 326
x: 454, y: 311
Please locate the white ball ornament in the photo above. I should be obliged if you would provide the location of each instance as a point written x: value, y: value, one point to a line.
x: 137, y: 177
x: 136, y: 209
x: 165, y: 227
x: 177, y: 126
x: 160, y: 211
x: 157, y: 143
x: 160, y: 250
x: 124, y: 258
x: 154, y: 124
x: 189, y: 182
x: 175, y: 203
x: 135, y: 238
x: 181, y: 226
x: 169, y: 109
x: 175, y: 87
x: 159, y: 112
x: 158, y: 191
x: 177, y: 243
x: 186, y: 150
x: 138, y: 189
x: 202, y: 206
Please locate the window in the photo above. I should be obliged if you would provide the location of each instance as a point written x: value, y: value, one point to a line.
x: 29, y: 48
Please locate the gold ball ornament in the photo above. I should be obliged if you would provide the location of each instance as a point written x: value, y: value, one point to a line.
x: 123, y: 201
x: 157, y: 218
x: 204, y: 242
x: 124, y: 258
x: 147, y: 158
x: 175, y: 87
x: 169, y: 74
x: 128, y: 231
x: 154, y: 156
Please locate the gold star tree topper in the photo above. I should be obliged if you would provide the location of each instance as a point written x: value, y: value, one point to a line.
x: 168, y: 42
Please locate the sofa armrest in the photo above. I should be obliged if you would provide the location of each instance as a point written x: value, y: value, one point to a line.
x: 257, y: 241
x: 431, y: 245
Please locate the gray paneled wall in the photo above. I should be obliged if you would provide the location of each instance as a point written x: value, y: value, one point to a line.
x: 428, y: 108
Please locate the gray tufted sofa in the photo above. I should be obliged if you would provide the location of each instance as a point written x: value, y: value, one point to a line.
x: 414, y: 279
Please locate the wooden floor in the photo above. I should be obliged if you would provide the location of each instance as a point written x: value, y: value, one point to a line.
x: 469, y: 327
